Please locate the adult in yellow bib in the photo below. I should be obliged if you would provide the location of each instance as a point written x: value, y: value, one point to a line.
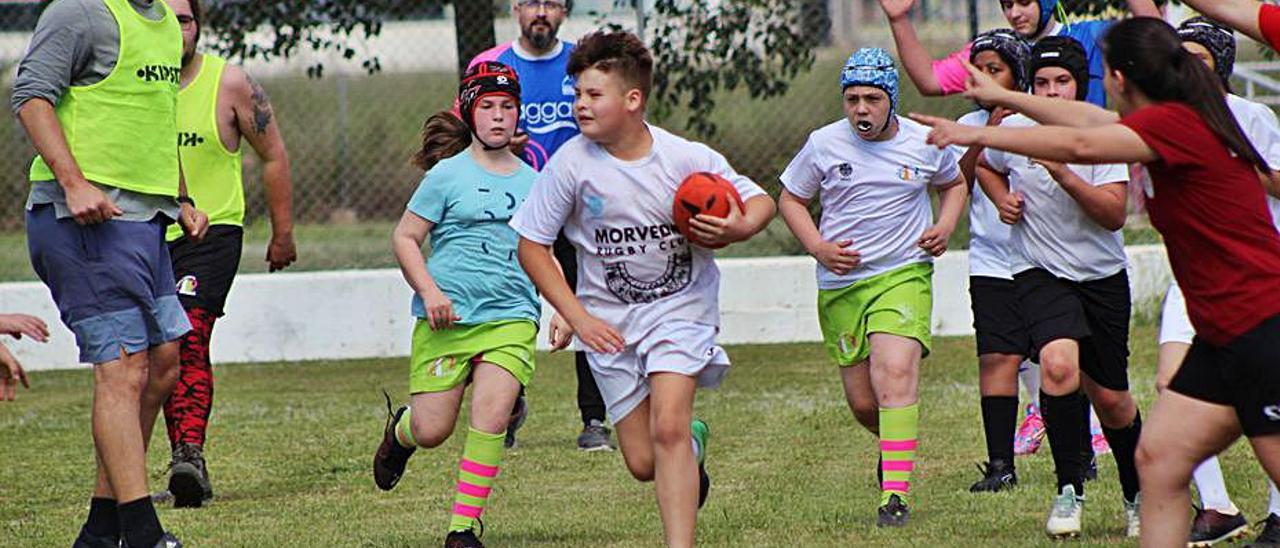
x: 219, y: 106
x: 97, y: 93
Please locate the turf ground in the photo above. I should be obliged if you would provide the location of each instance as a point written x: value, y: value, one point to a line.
x: 291, y: 445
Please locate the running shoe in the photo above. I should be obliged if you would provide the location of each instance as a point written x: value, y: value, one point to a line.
x: 90, y: 540
x: 997, y: 475
x: 189, y: 477
x: 1030, y: 433
x: 462, y: 539
x: 1211, y: 527
x: 893, y: 514
x: 1132, y: 517
x: 390, y: 458
x: 594, y: 437
x: 1270, y: 535
x: 166, y: 541
x: 701, y: 433
x: 1064, y: 516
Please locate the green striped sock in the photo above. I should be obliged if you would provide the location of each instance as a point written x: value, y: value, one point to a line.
x: 477, y: 471
x: 404, y: 432
x: 898, y: 431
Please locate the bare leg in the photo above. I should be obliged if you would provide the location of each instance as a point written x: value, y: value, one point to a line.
x: 1167, y: 454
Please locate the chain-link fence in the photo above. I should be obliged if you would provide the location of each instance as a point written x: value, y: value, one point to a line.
x: 350, y: 133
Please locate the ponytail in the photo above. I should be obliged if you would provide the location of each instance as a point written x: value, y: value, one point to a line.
x: 1150, y: 55
x: 443, y: 135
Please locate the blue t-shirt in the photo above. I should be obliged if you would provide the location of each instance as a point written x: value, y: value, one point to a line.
x: 546, y: 97
x: 1089, y: 34
x: 473, y: 250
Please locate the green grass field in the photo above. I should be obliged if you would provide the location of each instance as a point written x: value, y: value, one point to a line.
x: 292, y: 443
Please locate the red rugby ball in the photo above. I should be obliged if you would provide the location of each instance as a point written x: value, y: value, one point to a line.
x: 702, y: 193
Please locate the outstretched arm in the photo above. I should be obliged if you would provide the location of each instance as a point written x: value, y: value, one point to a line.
x: 915, y: 58
x: 1053, y: 112
x: 1113, y: 144
x: 1243, y: 15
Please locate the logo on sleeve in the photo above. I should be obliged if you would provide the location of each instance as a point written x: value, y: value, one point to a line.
x: 595, y: 205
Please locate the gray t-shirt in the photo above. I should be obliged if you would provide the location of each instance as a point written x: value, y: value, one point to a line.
x: 77, y: 43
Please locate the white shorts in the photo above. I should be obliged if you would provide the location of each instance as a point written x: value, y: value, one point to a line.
x: 683, y: 347
x: 1175, y: 325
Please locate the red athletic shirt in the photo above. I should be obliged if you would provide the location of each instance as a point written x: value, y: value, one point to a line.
x: 1212, y: 211
x: 1269, y: 24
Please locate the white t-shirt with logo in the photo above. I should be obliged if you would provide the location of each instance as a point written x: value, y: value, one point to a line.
x: 988, y: 235
x: 874, y: 193
x: 1263, y: 130
x: 1054, y: 233
x: 635, y: 270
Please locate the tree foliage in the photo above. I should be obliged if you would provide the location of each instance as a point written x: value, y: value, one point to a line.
x: 704, y: 48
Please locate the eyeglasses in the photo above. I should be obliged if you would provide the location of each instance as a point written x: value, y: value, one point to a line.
x: 535, y: 5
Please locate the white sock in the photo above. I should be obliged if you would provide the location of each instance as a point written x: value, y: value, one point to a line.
x: 697, y: 448
x: 1029, y: 373
x: 1212, y: 488
x: 1274, y: 507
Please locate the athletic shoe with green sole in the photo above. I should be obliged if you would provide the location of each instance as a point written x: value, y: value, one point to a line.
x: 701, y: 433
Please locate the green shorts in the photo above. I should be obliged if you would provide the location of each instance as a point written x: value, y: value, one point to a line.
x: 442, y: 360
x: 898, y: 302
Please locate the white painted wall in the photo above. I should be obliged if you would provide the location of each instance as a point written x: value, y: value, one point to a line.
x: 365, y: 313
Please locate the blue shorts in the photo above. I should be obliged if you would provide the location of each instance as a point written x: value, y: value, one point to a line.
x: 113, y: 282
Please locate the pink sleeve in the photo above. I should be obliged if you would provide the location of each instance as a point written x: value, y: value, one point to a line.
x: 950, y: 71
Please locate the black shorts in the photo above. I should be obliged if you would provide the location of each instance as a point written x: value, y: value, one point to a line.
x: 568, y: 257
x: 204, y: 271
x: 1094, y: 313
x: 998, y: 321
x: 1245, y: 374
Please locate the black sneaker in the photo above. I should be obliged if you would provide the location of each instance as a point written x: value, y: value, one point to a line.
x: 189, y: 477
x: 390, y: 459
x: 462, y: 539
x: 166, y: 541
x: 594, y: 437
x: 1090, y: 468
x: 997, y: 475
x: 90, y: 540
x: 519, y: 412
x: 1270, y: 535
x: 1211, y: 527
x: 894, y: 513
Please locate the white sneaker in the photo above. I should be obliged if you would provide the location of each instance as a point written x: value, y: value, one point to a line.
x: 1133, y: 525
x: 1064, y: 516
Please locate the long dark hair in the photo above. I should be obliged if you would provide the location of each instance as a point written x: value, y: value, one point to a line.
x: 443, y: 135
x: 1149, y: 53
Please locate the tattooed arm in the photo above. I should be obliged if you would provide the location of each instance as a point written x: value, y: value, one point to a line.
x: 256, y: 121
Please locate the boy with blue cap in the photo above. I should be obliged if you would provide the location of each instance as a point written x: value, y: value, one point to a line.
x: 875, y: 246
x: 1032, y: 19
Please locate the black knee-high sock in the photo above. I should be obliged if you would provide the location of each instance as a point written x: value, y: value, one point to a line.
x: 1062, y: 422
x: 1086, y: 434
x: 1124, y: 443
x: 999, y: 418
x: 104, y: 520
x: 139, y: 523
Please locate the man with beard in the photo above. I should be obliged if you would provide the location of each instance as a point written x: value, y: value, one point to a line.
x: 218, y: 105
x: 539, y: 57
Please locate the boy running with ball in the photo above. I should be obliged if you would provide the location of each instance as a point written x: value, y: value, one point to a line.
x: 875, y: 250
x: 646, y: 305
